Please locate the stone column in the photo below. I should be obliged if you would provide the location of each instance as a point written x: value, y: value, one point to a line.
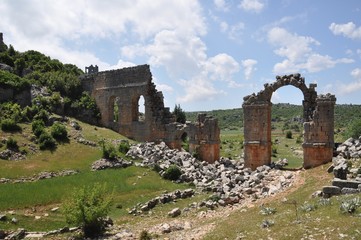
x: 257, y: 134
x: 319, y: 133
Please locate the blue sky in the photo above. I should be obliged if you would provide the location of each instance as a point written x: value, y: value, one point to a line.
x: 203, y: 55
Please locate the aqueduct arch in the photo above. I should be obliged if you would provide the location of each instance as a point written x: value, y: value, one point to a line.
x: 318, y: 115
x: 122, y: 89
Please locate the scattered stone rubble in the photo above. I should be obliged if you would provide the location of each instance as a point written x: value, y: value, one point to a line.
x: 40, y: 176
x: 110, y: 163
x: 12, y: 155
x: 347, y: 179
x: 164, y: 198
x: 228, y: 179
x: 22, y: 233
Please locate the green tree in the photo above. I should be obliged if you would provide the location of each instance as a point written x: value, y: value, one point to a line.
x: 88, y: 208
x: 354, y: 129
x: 179, y: 114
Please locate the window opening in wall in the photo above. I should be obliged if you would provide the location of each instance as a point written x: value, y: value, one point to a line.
x: 116, y: 110
x: 185, y: 141
x: 141, y: 109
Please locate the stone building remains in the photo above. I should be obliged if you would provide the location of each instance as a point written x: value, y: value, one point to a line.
x: 118, y: 93
x: 318, y: 115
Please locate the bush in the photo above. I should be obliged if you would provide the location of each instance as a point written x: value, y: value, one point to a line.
x: 42, y: 115
x: 88, y: 208
x: 38, y: 127
x: 268, y: 211
x: 46, y: 141
x: 350, y: 206
x: 12, y: 144
x: 144, y: 235
x: 172, y: 173
x: 108, y: 151
x: 124, y: 147
x: 289, y: 134
x: 58, y: 131
x: 9, y: 125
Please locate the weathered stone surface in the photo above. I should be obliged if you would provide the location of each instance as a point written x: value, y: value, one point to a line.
x: 174, y: 212
x: 345, y: 183
x: 123, y: 88
x: 340, y: 171
x: 106, y: 163
x: 331, y: 190
x: 19, y: 234
x: 228, y: 179
x: 318, y: 123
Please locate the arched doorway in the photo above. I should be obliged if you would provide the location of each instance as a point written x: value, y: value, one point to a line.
x: 139, y: 109
x: 318, y: 126
x: 287, y: 127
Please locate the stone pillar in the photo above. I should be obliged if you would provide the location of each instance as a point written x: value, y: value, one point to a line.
x: 257, y: 134
x: 204, y: 138
x: 319, y: 133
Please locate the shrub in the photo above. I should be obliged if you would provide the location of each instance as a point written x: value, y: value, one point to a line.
x: 308, y: 207
x: 58, y: 131
x: 42, y: 115
x: 172, y: 173
x: 88, y: 208
x: 124, y: 147
x: 38, y: 127
x: 9, y: 125
x: 144, y: 235
x: 268, y: 211
x: 108, y: 151
x: 12, y: 144
x: 46, y: 141
x: 350, y: 206
x: 289, y: 134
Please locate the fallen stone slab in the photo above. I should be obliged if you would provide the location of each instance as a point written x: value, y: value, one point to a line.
x: 329, y: 191
x: 345, y: 183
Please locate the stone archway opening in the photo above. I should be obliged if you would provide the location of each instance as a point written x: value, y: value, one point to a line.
x: 318, y: 115
x: 185, y: 141
x: 287, y: 130
x: 141, y: 109
x: 113, y: 114
x: 138, y: 109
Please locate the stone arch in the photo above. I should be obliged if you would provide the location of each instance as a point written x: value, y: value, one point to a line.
x: 318, y: 123
x: 136, y: 114
x: 113, y: 100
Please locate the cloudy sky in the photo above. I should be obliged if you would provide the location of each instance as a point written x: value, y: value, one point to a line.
x: 205, y: 54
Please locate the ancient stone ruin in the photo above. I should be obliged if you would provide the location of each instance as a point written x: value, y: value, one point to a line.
x: 318, y: 116
x: 118, y: 93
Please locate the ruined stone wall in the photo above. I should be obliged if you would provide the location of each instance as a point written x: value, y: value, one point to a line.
x: 123, y: 88
x: 318, y: 123
x: 257, y: 134
x: 23, y: 98
x: 319, y: 133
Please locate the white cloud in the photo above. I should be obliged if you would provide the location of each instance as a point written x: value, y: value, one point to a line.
x: 162, y: 33
x: 290, y: 45
x: 221, y: 5
x: 249, y: 68
x: 198, y: 89
x: 221, y: 67
x: 298, y: 53
x: 348, y: 30
x: 353, y: 86
x: 251, y: 5
x: 121, y: 64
